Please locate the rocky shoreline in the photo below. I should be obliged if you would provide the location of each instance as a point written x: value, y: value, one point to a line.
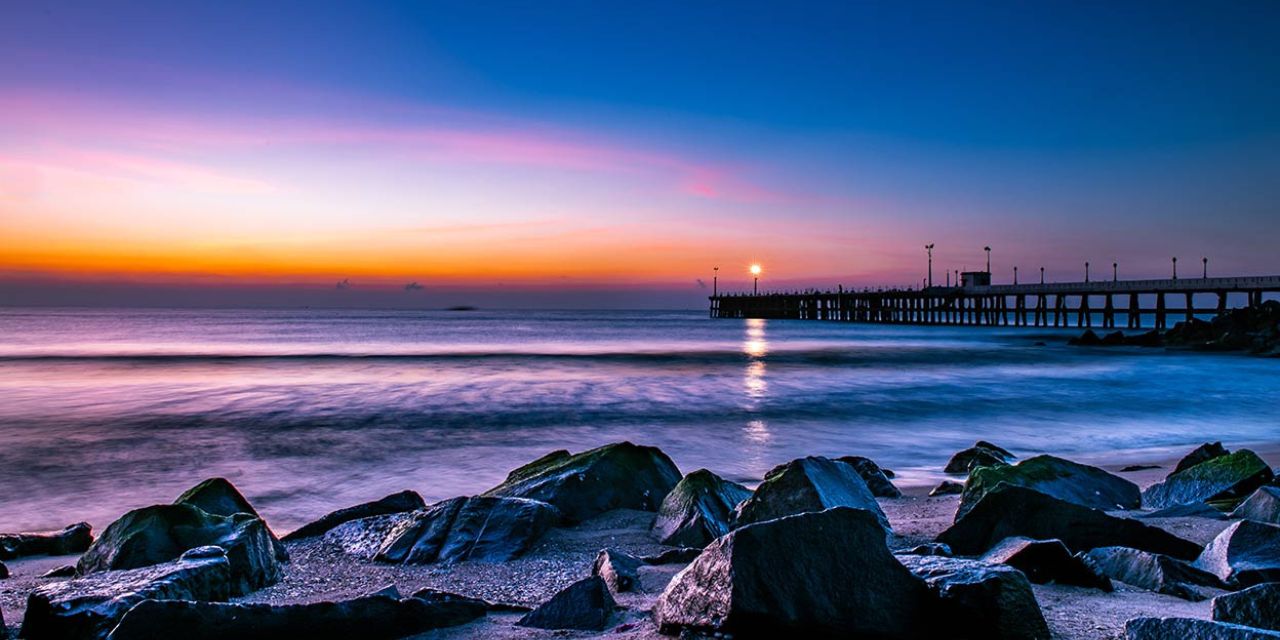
x: 617, y: 541
x: 1254, y: 330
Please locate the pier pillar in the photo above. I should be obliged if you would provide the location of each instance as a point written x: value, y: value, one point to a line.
x: 1191, y: 311
x: 1135, y: 312
x: 1160, y: 319
x: 1222, y: 302
x: 1109, y: 314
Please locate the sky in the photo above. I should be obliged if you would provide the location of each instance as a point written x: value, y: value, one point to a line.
x: 612, y: 154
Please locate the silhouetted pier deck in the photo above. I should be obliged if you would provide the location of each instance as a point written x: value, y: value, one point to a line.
x: 1024, y: 305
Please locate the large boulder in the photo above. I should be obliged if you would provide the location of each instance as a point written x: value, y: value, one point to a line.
x: 1154, y: 572
x: 619, y: 569
x: 826, y: 573
x: 585, y: 605
x: 394, y: 503
x: 1202, y: 453
x: 1191, y: 629
x: 89, y: 607
x: 486, y: 529
x: 375, y: 617
x: 981, y: 454
x: 1263, y: 506
x: 875, y: 477
x: 616, y: 476
x: 1257, y: 606
x: 161, y: 533
x: 697, y: 510
x: 1063, y: 479
x: 1245, y: 553
x: 73, y: 538
x: 807, y: 484
x: 980, y: 600
x: 221, y: 498
x: 1018, y: 511
x: 1227, y: 477
x: 1046, y: 561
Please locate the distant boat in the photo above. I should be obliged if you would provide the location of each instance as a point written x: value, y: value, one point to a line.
x: 462, y: 307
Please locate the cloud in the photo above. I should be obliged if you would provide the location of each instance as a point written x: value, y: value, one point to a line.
x: 413, y: 286
x: 345, y: 283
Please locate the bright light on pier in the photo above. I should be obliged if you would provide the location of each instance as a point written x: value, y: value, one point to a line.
x: 755, y: 269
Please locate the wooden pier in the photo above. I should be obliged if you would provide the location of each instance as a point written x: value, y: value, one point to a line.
x: 1062, y: 304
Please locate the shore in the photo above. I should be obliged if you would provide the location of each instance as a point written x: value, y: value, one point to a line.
x: 319, y: 571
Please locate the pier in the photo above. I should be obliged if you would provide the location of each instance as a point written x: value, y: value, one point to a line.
x: 976, y: 302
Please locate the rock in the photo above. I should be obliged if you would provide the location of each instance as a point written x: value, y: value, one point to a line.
x: 64, y: 571
x: 1191, y: 629
x: 1244, y: 554
x: 485, y: 529
x: 436, y: 595
x: 981, y: 454
x: 1196, y: 510
x: 980, y: 600
x: 1263, y: 506
x: 1257, y: 606
x: 1226, y: 477
x: 1062, y: 479
x: 618, y: 569
x: 1046, y: 561
x: 807, y: 484
x: 616, y: 476
x: 391, y: 591
x: 374, y: 617
x: 1202, y: 453
x: 697, y: 510
x: 875, y: 477
x: 791, y: 577
x: 364, y: 536
x: 221, y: 498
x: 394, y: 503
x: 74, y: 538
x: 682, y: 555
x: 1139, y: 467
x: 1018, y: 511
x: 1153, y: 571
x: 928, y: 549
x: 4, y: 571
x: 89, y: 607
x: 947, y: 488
x: 161, y: 533
x: 585, y: 605
x: 1086, y: 339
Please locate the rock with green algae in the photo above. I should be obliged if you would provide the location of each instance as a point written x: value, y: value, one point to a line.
x: 698, y: 510
x: 1229, y: 477
x: 807, y: 484
x: 1062, y: 479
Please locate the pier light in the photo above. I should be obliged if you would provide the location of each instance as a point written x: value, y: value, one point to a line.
x: 1206, y: 268
x: 1086, y: 271
x: 1041, y: 275
x: 1015, y: 275
x: 755, y: 274
x: 1175, y: 267
x: 1115, y: 271
x: 929, y: 249
x: 715, y: 281
x: 988, y: 250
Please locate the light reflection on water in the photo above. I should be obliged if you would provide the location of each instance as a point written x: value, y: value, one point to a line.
x: 306, y: 411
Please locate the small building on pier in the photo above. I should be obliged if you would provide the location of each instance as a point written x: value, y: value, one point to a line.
x: 975, y: 279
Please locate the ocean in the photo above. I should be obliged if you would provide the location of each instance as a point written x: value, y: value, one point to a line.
x: 102, y: 411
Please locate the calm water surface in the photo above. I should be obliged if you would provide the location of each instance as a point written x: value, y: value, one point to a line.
x: 102, y: 411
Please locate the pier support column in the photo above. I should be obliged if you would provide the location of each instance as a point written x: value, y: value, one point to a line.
x: 1160, y: 319
x: 1222, y: 302
x: 1191, y: 308
x: 1135, y: 312
x: 1109, y: 314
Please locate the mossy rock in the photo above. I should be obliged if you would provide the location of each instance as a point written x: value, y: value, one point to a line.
x: 1222, y: 479
x: 698, y: 510
x: 804, y: 485
x: 1063, y: 479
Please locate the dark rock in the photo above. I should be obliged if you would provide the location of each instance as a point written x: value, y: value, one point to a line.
x: 697, y: 510
x: 394, y: 503
x: 1255, y: 329
x: 89, y: 607
x: 1153, y: 571
x: 64, y: 571
x: 436, y: 595
x: 161, y: 533
x: 1196, y: 510
x: 486, y: 529
x: 1202, y: 453
x: 981, y: 454
x: 616, y: 476
x: 1062, y: 479
x: 1263, y: 506
x: 391, y: 591
x: 888, y: 473
x: 1046, y: 561
x: 1191, y: 629
x: 875, y: 477
x: 1114, y: 339
x: 221, y: 498
x: 1151, y: 338
x: 618, y: 569
x: 928, y: 549
x: 980, y: 600
x: 1244, y: 554
x: 4, y: 571
x: 1018, y: 511
x: 1257, y: 606
x: 374, y: 617
x: 1226, y: 477
x: 1139, y: 467
x: 807, y: 484
x: 791, y: 577
x: 682, y: 555
x: 1086, y: 339
x: 585, y: 605
x: 73, y: 539
x: 947, y: 488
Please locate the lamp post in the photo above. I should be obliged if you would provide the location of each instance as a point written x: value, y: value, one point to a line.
x: 1041, y: 275
x: 1206, y: 268
x: 715, y: 281
x: 929, y: 249
x: 1086, y: 271
x: 988, y: 250
x: 1015, y: 275
x: 1175, y: 267
x: 1115, y: 271
x: 755, y: 285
